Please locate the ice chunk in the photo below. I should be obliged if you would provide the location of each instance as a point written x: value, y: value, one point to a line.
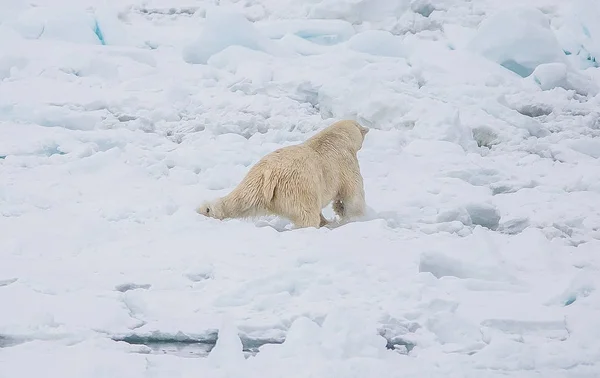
x: 455, y: 332
x: 377, y: 42
x: 485, y: 136
x: 199, y: 273
x: 10, y: 8
x: 441, y: 265
x: 7, y: 281
x: 519, y: 39
x: 345, y: 334
x: 358, y: 11
x: 557, y: 75
x: 551, y: 75
x: 319, y: 31
x: 58, y: 23
x: 228, y: 348
x: 580, y: 286
x: 459, y: 214
x: 484, y: 215
x: 302, y: 46
x: 8, y: 63
x: 514, y: 226
x: 422, y: 7
x: 29, y: 24
x: 579, y: 34
x: 588, y: 146
x: 131, y: 286
x: 224, y: 28
x: 458, y: 36
x: 552, y: 329
x: 303, y: 335
x: 440, y: 65
x: 109, y: 28
x: 250, y: 65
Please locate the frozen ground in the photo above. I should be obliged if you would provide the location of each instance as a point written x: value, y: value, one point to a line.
x: 480, y: 254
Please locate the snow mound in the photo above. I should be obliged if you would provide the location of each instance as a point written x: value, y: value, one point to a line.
x: 228, y: 348
x: 224, y: 28
x: 377, y: 42
x: 443, y: 124
x: 59, y: 23
x: 343, y: 335
x: 519, y: 39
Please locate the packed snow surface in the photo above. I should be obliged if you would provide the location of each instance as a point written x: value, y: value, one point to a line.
x: 479, y: 255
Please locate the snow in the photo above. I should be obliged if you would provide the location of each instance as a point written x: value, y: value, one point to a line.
x: 479, y: 253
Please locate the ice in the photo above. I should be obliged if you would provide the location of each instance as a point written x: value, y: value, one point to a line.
x: 224, y: 28
x: 579, y: 34
x: 478, y: 254
x: 519, y: 39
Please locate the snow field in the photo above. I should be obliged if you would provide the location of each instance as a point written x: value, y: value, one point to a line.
x: 479, y: 255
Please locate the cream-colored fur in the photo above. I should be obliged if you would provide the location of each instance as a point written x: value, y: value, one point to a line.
x: 297, y: 182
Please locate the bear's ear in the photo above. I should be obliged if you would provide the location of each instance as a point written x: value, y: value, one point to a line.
x: 363, y: 130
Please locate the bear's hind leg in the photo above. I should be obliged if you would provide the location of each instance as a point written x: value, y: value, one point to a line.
x: 306, y: 219
x: 299, y: 202
x: 350, y: 203
x: 338, y: 207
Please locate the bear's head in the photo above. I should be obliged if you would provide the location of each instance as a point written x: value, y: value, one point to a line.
x: 363, y: 130
x: 359, y: 137
x: 212, y: 209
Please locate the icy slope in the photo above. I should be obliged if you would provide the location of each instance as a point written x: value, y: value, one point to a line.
x: 478, y: 258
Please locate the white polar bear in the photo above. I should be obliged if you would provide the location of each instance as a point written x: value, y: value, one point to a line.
x: 297, y: 182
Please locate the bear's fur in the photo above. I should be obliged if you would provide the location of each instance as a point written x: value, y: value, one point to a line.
x: 297, y: 182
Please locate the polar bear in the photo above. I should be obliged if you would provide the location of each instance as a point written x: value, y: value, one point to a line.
x: 297, y: 182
